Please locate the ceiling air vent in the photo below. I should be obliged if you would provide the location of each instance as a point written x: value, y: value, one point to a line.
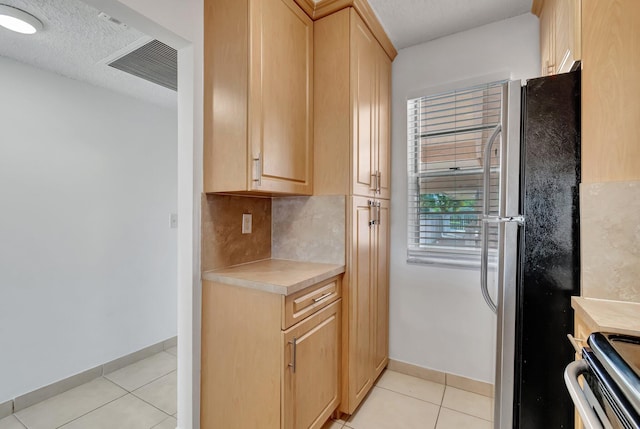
x: 153, y: 61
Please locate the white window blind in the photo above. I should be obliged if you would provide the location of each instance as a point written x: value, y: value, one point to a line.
x: 447, y: 134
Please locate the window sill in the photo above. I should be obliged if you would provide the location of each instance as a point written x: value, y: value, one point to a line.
x: 444, y: 262
x: 461, y: 260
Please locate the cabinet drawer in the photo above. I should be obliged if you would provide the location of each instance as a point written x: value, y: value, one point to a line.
x: 306, y: 302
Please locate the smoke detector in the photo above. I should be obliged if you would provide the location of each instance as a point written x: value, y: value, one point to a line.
x: 112, y: 20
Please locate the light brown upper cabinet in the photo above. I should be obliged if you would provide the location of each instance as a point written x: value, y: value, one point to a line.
x: 258, y: 97
x: 560, y: 35
x: 610, y: 91
x: 352, y: 107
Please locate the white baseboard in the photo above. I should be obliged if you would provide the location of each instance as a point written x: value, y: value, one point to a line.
x: 31, y: 398
x: 6, y: 409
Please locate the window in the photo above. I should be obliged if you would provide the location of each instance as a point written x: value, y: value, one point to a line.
x: 447, y: 136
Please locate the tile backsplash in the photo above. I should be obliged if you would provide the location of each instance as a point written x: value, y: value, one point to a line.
x: 223, y: 243
x: 309, y: 229
x: 610, y: 240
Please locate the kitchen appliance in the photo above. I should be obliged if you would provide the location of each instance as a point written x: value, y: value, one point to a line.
x: 538, y: 259
x: 610, y: 395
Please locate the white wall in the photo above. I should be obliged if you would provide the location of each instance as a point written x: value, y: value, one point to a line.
x: 438, y: 318
x: 88, y: 180
x: 169, y: 21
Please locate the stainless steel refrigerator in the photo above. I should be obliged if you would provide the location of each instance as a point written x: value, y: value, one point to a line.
x: 531, y: 271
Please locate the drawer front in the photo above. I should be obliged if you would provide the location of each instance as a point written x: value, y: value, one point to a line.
x: 306, y: 302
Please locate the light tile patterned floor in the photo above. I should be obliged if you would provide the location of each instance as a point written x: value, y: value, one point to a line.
x: 400, y: 401
x: 143, y: 396
x: 139, y: 396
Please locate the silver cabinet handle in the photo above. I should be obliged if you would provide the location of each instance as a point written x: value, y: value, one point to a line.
x: 257, y: 169
x: 294, y: 343
x: 320, y: 298
x: 574, y: 342
x: 378, y: 180
x: 374, y: 182
x: 571, y: 373
x: 378, y: 208
x: 372, y: 218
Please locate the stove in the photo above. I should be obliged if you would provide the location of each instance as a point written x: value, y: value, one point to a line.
x: 609, y: 398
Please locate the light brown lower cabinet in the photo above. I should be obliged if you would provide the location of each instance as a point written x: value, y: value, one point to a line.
x: 366, y: 326
x: 270, y: 361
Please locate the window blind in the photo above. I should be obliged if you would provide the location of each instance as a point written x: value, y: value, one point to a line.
x: 447, y: 134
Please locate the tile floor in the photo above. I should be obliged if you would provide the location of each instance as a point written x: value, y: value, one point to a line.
x: 139, y: 396
x: 399, y: 401
x: 143, y: 396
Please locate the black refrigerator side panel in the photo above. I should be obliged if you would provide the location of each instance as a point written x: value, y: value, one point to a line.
x: 550, y: 250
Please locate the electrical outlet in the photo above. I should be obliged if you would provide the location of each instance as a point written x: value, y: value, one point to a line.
x: 246, y: 223
x: 174, y: 220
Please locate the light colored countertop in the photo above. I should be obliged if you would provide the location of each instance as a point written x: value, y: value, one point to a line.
x: 608, y: 316
x: 274, y: 275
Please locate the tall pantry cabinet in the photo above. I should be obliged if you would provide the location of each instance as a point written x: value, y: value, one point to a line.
x: 352, y: 95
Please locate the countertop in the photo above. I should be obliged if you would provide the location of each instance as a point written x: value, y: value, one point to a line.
x: 275, y: 275
x: 608, y: 316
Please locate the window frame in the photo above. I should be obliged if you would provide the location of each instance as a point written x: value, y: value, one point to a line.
x: 440, y: 255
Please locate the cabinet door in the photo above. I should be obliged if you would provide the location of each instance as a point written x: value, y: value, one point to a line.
x: 361, y: 329
x: 364, y: 89
x: 281, y: 91
x: 384, y: 124
x: 381, y: 289
x: 547, y: 38
x: 311, y: 376
x: 567, y: 35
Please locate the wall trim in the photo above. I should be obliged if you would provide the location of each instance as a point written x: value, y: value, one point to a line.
x: 321, y: 8
x: 31, y: 398
x: 536, y: 7
x: 453, y: 380
x: 6, y: 409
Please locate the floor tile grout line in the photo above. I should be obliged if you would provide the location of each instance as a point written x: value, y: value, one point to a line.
x: 82, y: 415
x: 146, y: 384
x: 444, y: 391
x: 435, y: 425
x: 20, y: 421
x: 125, y: 390
x: 409, y: 396
x: 137, y: 362
x: 149, y: 403
x: 107, y: 403
x: 465, y: 413
x: 159, y: 423
x: 95, y: 409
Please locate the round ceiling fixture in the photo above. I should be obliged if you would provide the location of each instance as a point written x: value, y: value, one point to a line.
x: 18, y: 20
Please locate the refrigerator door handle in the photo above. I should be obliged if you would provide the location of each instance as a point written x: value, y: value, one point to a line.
x: 519, y: 219
x: 484, y: 266
x: 484, y: 256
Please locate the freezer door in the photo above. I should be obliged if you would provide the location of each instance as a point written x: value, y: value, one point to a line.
x: 507, y: 223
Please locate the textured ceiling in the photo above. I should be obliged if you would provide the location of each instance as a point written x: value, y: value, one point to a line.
x: 410, y: 22
x: 74, y: 43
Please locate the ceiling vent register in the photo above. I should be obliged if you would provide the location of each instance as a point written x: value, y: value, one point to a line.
x: 154, y: 61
